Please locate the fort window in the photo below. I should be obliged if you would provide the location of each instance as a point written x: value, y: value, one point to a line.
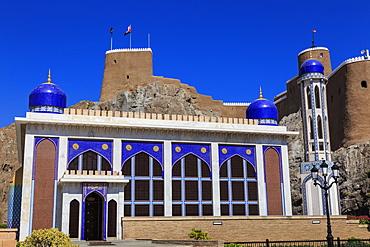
x: 339, y: 91
x: 364, y: 84
x: 127, y: 76
x: 321, y: 54
x: 115, y: 61
x: 331, y: 98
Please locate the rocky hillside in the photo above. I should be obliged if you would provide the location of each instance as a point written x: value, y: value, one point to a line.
x: 354, y: 163
x: 8, y: 165
x: 152, y: 98
x: 296, y: 156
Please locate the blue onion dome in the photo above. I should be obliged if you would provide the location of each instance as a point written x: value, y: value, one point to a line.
x: 264, y: 110
x: 311, y: 66
x: 47, y: 98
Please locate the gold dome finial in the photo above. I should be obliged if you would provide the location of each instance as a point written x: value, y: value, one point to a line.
x: 261, y: 93
x: 49, y: 77
x: 310, y: 54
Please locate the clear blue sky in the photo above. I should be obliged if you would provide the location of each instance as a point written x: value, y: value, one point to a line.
x: 225, y: 49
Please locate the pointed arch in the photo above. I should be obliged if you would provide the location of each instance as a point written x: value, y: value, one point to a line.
x: 311, y: 194
x: 317, y: 97
x: 112, y: 218
x: 238, y: 187
x: 319, y: 125
x: 144, y: 194
x: 44, y: 171
x: 312, y: 130
x: 91, y: 161
x: 74, y: 218
x: 93, y: 216
x: 273, y: 182
x: 308, y: 97
x: 191, y: 187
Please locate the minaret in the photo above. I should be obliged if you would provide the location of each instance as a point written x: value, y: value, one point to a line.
x: 314, y: 111
x: 312, y: 83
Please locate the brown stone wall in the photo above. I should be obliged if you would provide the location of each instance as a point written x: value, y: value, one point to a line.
x: 322, y: 55
x: 238, y: 229
x: 124, y: 71
x: 356, y: 126
x: 44, y: 186
x: 337, y: 101
x: 348, y: 102
x: 127, y: 71
x: 273, y: 188
x: 292, y: 102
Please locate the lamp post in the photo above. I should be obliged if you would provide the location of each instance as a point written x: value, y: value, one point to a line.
x: 326, y: 186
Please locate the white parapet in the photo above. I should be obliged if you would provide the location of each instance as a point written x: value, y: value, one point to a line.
x: 128, y: 50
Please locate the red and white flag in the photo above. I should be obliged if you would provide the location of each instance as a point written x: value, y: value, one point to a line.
x: 128, y: 30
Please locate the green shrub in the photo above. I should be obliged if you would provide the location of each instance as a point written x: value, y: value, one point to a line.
x: 198, y: 235
x: 353, y: 242
x: 2, y: 225
x: 47, y: 238
x: 19, y: 244
x: 234, y: 245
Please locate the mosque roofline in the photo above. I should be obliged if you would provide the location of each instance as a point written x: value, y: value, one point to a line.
x: 41, y: 121
x: 128, y: 50
x: 313, y: 49
x: 236, y: 103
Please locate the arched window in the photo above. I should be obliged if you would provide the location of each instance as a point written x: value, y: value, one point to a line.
x: 308, y: 94
x: 319, y: 125
x: 238, y: 188
x: 112, y: 218
x: 317, y: 97
x: 312, y: 131
x: 144, y: 194
x: 74, y: 218
x: 90, y: 161
x: 191, y: 187
x: 273, y: 182
x: 44, y: 185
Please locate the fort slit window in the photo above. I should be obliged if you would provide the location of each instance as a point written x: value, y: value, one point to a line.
x: 364, y: 84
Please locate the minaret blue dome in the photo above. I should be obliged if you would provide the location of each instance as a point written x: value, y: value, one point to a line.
x: 264, y: 110
x: 311, y: 66
x: 47, y: 98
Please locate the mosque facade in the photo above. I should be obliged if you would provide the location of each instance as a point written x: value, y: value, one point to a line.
x: 83, y: 170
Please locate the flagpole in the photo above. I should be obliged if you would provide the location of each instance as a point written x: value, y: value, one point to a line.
x: 313, y: 38
x: 111, y: 38
x: 130, y: 40
x: 148, y: 40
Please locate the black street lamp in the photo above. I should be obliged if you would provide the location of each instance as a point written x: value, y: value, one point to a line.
x: 326, y: 187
